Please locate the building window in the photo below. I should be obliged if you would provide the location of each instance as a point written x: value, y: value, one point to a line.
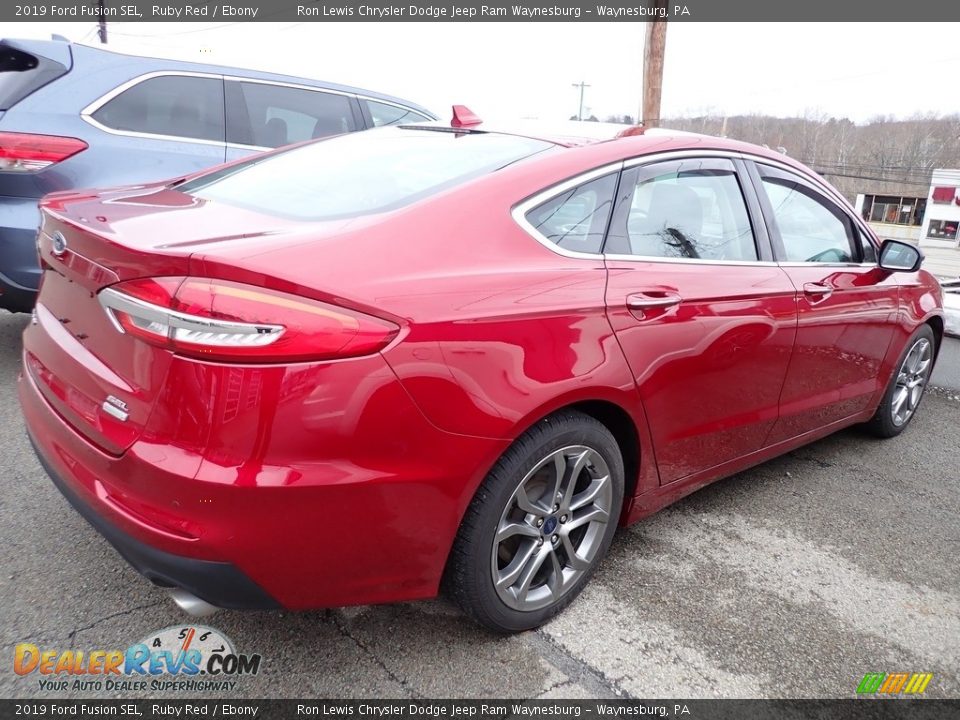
x: 894, y: 209
x: 944, y: 195
x: 943, y: 229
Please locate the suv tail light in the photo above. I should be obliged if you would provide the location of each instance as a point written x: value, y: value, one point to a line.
x: 233, y: 322
x: 26, y: 152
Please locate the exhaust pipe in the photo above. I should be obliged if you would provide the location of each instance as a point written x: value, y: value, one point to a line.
x: 191, y: 604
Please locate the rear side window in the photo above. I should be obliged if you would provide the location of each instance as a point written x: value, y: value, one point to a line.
x: 175, y: 105
x: 21, y: 73
x: 386, y: 114
x: 267, y: 115
x: 692, y: 209
x: 361, y: 173
x: 577, y: 218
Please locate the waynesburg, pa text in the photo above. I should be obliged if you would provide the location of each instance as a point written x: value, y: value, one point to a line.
x: 456, y: 12
x: 483, y: 710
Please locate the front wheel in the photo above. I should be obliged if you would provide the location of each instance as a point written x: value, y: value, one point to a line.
x: 905, y: 391
x: 539, y: 524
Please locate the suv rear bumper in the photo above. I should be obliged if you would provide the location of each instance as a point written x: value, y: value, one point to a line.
x: 218, y: 583
x: 19, y: 266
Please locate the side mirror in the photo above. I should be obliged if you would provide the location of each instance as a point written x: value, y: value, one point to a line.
x: 898, y: 256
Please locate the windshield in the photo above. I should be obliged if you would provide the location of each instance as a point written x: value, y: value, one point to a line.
x: 361, y: 173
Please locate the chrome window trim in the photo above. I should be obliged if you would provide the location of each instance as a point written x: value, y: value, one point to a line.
x: 86, y: 113
x: 832, y: 196
x: 241, y: 146
x: 690, y: 261
x: 115, y: 301
x: 520, y: 210
x: 423, y: 114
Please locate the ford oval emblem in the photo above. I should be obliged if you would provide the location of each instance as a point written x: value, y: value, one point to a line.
x: 59, y: 244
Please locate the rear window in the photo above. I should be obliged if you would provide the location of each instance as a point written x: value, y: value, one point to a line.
x: 21, y: 73
x: 360, y: 174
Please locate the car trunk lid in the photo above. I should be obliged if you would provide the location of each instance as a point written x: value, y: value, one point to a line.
x: 102, y: 381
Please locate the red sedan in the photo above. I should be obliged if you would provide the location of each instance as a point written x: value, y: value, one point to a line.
x: 363, y: 369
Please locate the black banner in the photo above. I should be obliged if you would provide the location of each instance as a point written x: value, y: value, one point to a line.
x: 475, y: 10
x: 854, y: 709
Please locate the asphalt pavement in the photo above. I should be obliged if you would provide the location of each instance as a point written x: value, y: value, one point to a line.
x: 793, y: 579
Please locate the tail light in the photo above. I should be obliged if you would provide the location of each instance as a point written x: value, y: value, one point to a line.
x: 25, y: 152
x: 233, y: 322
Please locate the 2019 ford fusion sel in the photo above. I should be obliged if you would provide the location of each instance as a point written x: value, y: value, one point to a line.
x: 366, y: 368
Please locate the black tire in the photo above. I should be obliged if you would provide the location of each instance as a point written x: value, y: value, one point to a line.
x: 469, y: 577
x: 883, y: 423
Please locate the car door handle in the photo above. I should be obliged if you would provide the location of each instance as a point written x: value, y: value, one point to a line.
x: 817, y: 289
x: 648, y: 301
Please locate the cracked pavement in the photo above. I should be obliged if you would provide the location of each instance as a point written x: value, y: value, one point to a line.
x: 789, y: 580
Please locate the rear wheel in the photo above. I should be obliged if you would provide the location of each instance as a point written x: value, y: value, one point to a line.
x: 539, y: 525
x: 905, y: 391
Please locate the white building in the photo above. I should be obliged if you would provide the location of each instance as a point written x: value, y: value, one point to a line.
x: 893, y: 216
x: 942, y: 218
x: 931, y: 222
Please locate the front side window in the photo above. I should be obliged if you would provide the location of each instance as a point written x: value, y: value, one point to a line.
x: 175, y: 105
x: 266, y: 115
x: 811, y: 227
x: 692, y: 209
x: 360, y: 173
x: 386, y: 114
x: 577, y: 218
x: 868, y: 252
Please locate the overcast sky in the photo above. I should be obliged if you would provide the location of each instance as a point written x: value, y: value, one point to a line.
x: 528, y: 69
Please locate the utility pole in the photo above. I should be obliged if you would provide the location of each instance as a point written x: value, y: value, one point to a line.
x: 103, y: 23
x: 580, y: 85
x: 653, y: 50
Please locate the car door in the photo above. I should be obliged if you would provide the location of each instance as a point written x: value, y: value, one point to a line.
x: 263, y: 115
x: 705, y: 318
x: 846, y: 304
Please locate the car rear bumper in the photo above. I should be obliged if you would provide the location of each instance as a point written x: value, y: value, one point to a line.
x: 372, y: 525
x: 19, y: 266
x: 218, y: 583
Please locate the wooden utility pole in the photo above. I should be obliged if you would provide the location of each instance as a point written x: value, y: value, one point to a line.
x: 103, y: 23
x: 653, y: 50
x: 582, y: 85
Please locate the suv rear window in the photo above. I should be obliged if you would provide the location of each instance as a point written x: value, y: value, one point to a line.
x: 362, y: 173
x: 173, y: 105
x: 21, y: 73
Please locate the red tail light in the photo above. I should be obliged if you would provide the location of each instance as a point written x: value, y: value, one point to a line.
x: 223, y: 320
x: 25, y: 152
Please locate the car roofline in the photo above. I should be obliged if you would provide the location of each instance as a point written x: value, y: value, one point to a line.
x: 236, y: 71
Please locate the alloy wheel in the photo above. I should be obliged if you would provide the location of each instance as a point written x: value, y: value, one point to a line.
x: 911, y: 380
x: 552, y: 528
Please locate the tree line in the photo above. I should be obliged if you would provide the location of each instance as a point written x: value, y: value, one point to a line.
x: 884, y: 156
